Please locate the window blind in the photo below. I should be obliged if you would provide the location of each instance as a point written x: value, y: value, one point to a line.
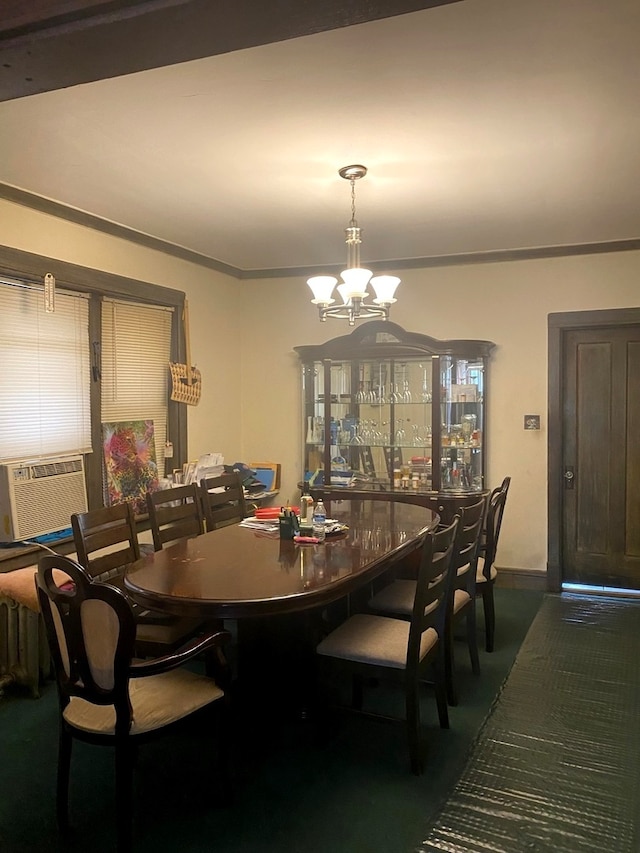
x: 45, y: 375
x: 136, y: 348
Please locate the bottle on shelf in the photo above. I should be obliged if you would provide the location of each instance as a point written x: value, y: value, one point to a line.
x: 319, y: 519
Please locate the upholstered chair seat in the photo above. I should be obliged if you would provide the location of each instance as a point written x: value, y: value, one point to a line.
x: 396, y: 598
x: 20, y: 585
x: 156, y: 701
x: 377, y: 640
x: 406, y: 650
x: 480, y: 573
x: 460, y: 600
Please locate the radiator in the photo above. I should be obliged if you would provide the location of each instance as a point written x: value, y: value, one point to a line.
x: 24, y: 655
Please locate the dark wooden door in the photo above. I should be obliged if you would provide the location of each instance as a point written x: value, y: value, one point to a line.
x: 601, y: 456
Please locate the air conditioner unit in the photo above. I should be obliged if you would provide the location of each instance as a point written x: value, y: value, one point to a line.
x: 38, y: 497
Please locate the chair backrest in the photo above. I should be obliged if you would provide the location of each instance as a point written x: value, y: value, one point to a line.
x: 497, y: 501
x: 223, y: 499
x: 175, y: 514
x: 90, y: 631
x: 432, y: 587
x: 467, y: 546
x: 106, y: 540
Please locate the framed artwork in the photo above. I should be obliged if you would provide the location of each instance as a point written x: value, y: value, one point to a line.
x: 130, y: 462
x: 268, y: 473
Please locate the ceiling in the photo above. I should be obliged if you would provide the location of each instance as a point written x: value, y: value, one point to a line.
x: 487, y: 126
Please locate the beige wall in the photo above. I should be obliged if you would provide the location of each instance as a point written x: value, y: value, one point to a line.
x: 251, y: 406
x: 507, y: 303
x: 214, y: 301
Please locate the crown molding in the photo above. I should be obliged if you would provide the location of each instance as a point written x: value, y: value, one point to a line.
x: 113, y: 229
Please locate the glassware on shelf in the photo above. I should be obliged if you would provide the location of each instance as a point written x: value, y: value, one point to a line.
x: 469, y: 422
x: 310, y: 430
x: 455, y: 435
x: 355, y: 434
x: 405, y: 394
x: 426, y: 396
x: 369, y: 381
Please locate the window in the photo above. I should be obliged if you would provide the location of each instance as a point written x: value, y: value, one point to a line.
x: 137, y: 320
x: 45, y: 376
x: 136, y: 350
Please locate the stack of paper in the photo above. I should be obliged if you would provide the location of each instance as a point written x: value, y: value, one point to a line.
x: 209, y: 465
x: 269, y: 525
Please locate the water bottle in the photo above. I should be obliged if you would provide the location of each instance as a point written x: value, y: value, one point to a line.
x: 319, y: 518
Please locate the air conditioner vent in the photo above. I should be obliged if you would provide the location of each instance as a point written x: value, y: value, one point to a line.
x: 52, y: 469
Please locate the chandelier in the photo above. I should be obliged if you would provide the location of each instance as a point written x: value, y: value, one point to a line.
x: 355, y: 279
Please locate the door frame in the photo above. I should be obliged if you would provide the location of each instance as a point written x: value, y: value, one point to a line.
x: 558, y: 325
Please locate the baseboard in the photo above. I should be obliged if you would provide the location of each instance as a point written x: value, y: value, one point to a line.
x: 521, y: 579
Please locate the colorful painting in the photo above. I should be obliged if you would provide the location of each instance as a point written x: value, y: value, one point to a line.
x: 130, y: 462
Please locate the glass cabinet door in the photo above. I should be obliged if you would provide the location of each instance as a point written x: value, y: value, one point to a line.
x: 375, y: 422
x: 372, y: 428
x: 393, y: 410
x: 313, y: 408
x: 462, y: 428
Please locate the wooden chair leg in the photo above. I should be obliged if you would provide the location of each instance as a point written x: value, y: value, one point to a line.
x: 472, y: 640
x: 64, y: 765
x: 222, y: 728
x: 412, y: 710
x: 125, y: 759
x: 449, y: 666
x: 440, y: 688
x: 216, y: 666
x: 357, y: 694
x: 489, y: 615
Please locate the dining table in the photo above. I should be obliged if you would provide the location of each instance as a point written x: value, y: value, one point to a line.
x: 237, y: 572
x: 279, y: 597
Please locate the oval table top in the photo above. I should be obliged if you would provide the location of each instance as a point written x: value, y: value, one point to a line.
x: 237, y: 572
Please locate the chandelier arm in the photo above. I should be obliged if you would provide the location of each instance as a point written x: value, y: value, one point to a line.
x: 353, y: 312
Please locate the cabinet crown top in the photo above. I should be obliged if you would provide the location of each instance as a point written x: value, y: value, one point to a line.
x: 383, y: 337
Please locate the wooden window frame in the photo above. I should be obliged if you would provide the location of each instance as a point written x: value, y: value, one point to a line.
x: 18, y: 264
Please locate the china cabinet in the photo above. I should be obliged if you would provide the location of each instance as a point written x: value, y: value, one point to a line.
x: 389, y: 410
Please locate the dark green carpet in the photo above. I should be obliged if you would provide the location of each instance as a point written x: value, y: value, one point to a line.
x: 354, y: 793
x: 556, y: 767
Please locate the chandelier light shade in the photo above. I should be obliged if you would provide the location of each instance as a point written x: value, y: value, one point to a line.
x: 355, y: 298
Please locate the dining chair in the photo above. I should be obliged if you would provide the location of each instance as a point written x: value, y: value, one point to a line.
x: 396, y: 599
x: 223, y: 499
x: 462, y: 596
x: 175, y: 513
x: 487, y: 573
x: 372, y: 646
x: 106, y: 543
x: 104, y: 696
